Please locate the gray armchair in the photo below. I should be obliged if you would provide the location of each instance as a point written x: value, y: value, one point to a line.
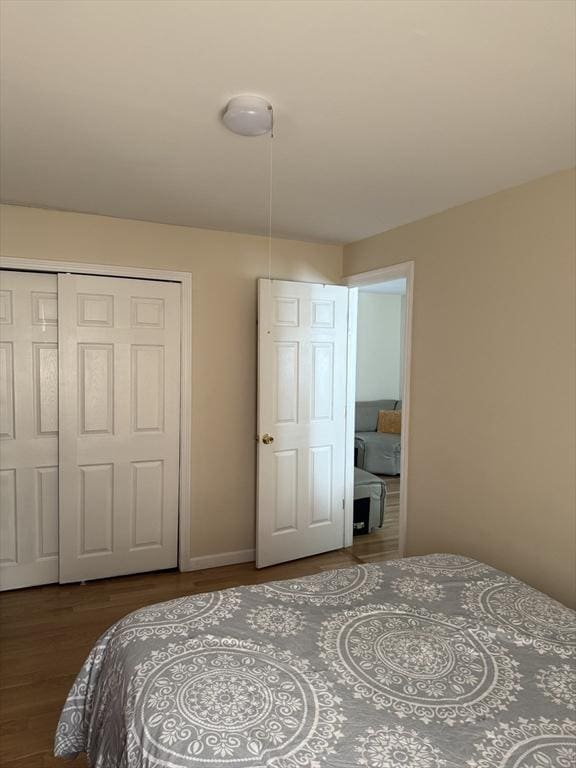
x: 376, y: 452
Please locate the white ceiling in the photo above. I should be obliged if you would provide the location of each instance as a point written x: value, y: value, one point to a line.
x: 386, y: 111
x: 389, y: 287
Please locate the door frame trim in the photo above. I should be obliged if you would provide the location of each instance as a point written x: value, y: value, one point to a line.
x: 185, y: 280
x: 393, y: 272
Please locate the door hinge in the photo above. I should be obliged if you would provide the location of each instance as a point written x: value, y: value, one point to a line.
x: 343, y: 503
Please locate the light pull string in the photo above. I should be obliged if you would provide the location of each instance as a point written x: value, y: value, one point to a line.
x: 270, y: 179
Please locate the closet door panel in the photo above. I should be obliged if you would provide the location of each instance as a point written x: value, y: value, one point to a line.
x: 28, y: 429
x: 120, y: 426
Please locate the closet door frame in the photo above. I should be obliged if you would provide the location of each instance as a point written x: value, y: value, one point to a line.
x: 185, y: 562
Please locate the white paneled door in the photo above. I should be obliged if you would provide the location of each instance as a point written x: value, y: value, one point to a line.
x: 28, y: 429
x: 303, y: 330
x: 119, y: 345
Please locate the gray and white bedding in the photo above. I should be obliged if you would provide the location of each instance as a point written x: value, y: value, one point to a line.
x: 426, y: 662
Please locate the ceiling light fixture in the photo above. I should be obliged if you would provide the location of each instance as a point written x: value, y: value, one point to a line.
x: 248, y: 115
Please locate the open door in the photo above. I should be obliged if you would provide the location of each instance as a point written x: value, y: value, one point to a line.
x: 302, y: 379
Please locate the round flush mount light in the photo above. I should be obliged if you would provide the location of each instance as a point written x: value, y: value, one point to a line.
x: 248, y: 115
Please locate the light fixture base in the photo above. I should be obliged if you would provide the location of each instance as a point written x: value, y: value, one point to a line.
x: 248, y: 115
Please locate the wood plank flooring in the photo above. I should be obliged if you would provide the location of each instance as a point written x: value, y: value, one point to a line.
x: 47, y: 632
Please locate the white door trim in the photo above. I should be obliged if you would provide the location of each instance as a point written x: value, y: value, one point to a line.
x: 394, y: 272
x: 185, y: 280
x: 350, y: 414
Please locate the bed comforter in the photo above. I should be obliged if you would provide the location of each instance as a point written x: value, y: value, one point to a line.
x: 426, y: 662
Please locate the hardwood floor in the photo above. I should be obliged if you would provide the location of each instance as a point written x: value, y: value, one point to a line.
x: 47, y: 632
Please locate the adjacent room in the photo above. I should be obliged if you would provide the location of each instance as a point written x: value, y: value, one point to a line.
x: 380, y: 364
x: 288, y: 383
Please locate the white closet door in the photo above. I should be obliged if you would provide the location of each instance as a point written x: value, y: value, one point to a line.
x: 119, y: 343
x: 28, y: 429
x: 303, y: 335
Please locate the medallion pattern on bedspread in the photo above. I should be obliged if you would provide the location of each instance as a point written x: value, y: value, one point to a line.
x: 413, y: 662
x: 442, y: 565
x: 529, y: 616
x: 417, y: 588
x: 276, y: 620
x: 178, y: 617
x: 559, y: 685
x: 527, y: 743
x: 397, y: 748
x: 326, y: 588
x: 231, y: 702
x: 72, y: 726
x: 430, y: 662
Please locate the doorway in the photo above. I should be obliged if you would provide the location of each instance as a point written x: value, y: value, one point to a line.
x: 378, y: 404
x: 306, y: 430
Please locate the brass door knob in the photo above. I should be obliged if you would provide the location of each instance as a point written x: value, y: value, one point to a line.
x: 267, y: 439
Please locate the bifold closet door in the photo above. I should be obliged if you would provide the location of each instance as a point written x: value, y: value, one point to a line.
x: 119, y: 355
x: 28, y: 429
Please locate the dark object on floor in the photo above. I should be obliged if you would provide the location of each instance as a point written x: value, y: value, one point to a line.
x: 361, y: 516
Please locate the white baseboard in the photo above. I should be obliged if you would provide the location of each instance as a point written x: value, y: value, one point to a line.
x: 224, y: 558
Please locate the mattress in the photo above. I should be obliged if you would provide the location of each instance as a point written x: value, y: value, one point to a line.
x: 425, y: 662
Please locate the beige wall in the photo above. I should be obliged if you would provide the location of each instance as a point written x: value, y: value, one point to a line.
x: 492, y: 459
x: 379, y: 349
x: 492, y: 456
x: 224, y: 269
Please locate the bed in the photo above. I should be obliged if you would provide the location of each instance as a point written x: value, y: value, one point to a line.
x: 426, y: 662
